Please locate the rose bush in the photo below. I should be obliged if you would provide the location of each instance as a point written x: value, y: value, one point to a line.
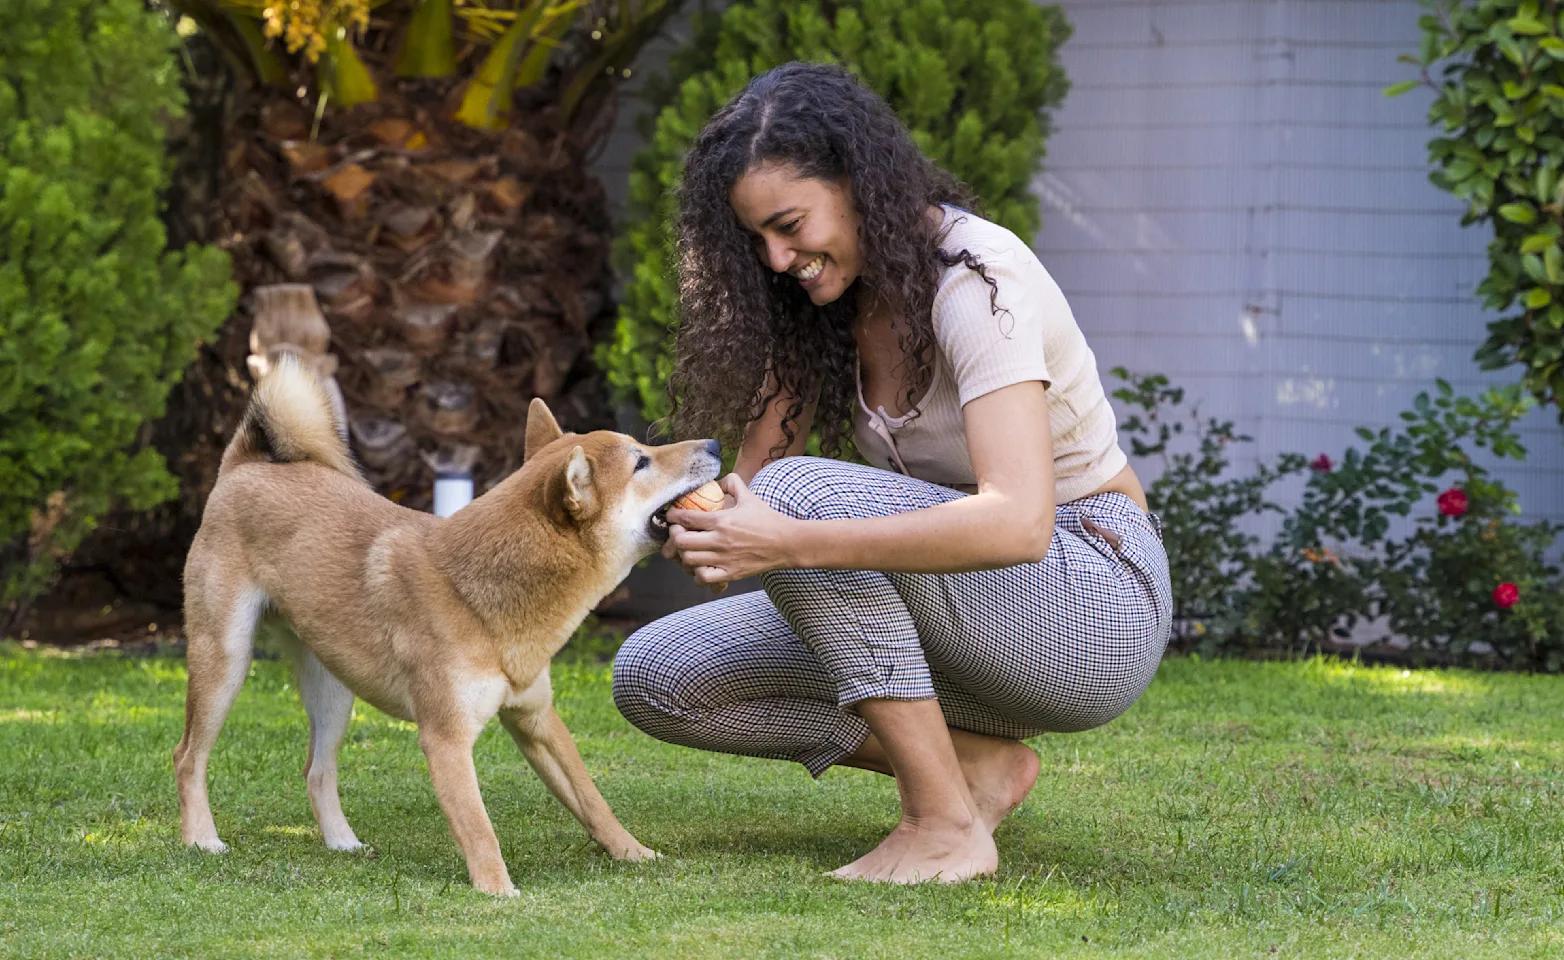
x: 1467, y: 578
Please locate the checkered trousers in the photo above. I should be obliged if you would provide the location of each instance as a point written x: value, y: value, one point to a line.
x: 1064, y: 644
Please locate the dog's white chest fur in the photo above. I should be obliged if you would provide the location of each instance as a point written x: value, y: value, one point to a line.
x: 482, y: 697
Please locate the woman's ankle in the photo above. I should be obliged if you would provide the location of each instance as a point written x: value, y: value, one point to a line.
x: 957, y: 819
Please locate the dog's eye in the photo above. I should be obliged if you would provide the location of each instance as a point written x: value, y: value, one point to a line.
x: 643, y: 462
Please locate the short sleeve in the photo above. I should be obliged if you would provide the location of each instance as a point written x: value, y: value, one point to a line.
x: 992, y: 337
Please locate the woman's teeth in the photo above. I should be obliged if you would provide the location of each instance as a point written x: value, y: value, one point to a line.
x: 811, y: 269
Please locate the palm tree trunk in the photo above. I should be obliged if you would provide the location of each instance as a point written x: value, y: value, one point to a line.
x: 463, y: 271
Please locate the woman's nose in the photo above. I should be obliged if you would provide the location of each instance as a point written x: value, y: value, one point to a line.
x: 778, y: 256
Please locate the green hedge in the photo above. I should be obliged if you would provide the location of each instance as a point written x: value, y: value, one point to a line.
x: 1497, y: 69
x: 96, y: 320
x: 974, y: 80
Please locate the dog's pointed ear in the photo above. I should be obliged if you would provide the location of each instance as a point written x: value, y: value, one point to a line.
x: 580, y: 492
x: 542, y: 428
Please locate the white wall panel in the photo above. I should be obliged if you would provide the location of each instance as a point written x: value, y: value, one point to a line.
x: 1230, y: 200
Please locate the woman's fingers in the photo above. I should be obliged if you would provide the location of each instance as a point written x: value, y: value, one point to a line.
x: 733, y: 485
x: 694, y: 559
x: 714, y: 577
x: 693, y: 519
x: 686, y: 540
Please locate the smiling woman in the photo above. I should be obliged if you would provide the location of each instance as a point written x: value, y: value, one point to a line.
x: 995, y: 574
x: 802, y: 227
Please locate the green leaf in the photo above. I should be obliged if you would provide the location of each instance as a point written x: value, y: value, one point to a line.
x: 344, y: 76
x: 1534, y: 268
x: 1405, y: 86
x: 1460, y: 170
x: 1538, y: 298
x: 428, y: 50
x: 1520, y: 212
x: 1538, y: 242
x: 1546, y: 183
x: 1512, y: 51
x: 1553, y: 260
x: 1528, y: 27
x: 486, y: 103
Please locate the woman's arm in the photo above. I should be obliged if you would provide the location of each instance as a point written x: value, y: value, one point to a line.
x: 1008, y: 521
x: 761, y: 437
x: 765, y: 433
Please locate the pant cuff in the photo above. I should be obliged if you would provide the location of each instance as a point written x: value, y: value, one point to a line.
x: 903, y: 682
x: 854, y: 730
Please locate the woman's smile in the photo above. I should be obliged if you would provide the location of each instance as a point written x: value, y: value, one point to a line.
x: 810, y: 271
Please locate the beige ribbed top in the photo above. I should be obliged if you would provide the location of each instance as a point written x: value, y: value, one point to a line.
x: 1033, y: 337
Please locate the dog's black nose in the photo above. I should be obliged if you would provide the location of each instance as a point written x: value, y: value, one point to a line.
x: 714, y: 448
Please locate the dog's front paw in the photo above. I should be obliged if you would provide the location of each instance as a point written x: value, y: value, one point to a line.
x: 507, y: 889
x: 208, y: 844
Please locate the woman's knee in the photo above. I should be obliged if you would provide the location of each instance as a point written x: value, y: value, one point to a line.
x: 643, y: 685
x: 807, y: 487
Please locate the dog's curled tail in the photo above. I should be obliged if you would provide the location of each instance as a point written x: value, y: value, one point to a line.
x: 290, y: 420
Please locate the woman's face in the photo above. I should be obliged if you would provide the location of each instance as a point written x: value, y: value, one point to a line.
x: 801, y: 226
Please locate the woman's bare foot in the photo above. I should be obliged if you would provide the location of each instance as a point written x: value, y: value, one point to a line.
x: 999, y: 774
x: 916, y: 852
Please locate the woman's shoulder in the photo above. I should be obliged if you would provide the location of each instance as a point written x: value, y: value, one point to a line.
x: 984, y: 239
x: 1007, y: 261
x: 989, y: 243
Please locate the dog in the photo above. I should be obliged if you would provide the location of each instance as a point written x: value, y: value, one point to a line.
x: 443, y: 622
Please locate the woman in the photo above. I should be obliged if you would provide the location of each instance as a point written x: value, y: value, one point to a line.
x: 995, y: 572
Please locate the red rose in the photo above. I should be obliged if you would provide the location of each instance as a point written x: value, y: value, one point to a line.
x: 1452, y: 503
x: 1321, y: 463
x: 1505, y: 595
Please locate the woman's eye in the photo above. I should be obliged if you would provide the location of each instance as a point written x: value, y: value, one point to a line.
x: 790, y: 226
x: 643, y: 462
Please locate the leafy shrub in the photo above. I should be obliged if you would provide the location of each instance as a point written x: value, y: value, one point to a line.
x: 1435, y: 586
x: 972, y: 79
x: 1466, y: 573
x: 1209, y: 558
x: 1497, y: 67
x: 1443, y: 586
x: 96, y: 320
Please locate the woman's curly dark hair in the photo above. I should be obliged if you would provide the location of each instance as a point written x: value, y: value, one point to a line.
x: 739, y: 321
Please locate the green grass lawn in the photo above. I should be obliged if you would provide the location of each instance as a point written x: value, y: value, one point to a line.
x: 1311, y: 809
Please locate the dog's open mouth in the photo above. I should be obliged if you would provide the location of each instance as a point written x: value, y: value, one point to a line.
x: 659, y: 520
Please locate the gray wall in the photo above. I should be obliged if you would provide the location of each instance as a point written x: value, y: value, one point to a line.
x: 1229, y: 200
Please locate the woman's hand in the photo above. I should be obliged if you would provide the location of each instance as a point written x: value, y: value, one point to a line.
x: 744, y: 539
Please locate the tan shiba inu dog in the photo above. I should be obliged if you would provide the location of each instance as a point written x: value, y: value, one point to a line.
x: 444, y: 622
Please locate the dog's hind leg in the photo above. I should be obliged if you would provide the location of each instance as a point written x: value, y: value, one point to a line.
x: 330, y: 706
x: 217, y: 658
